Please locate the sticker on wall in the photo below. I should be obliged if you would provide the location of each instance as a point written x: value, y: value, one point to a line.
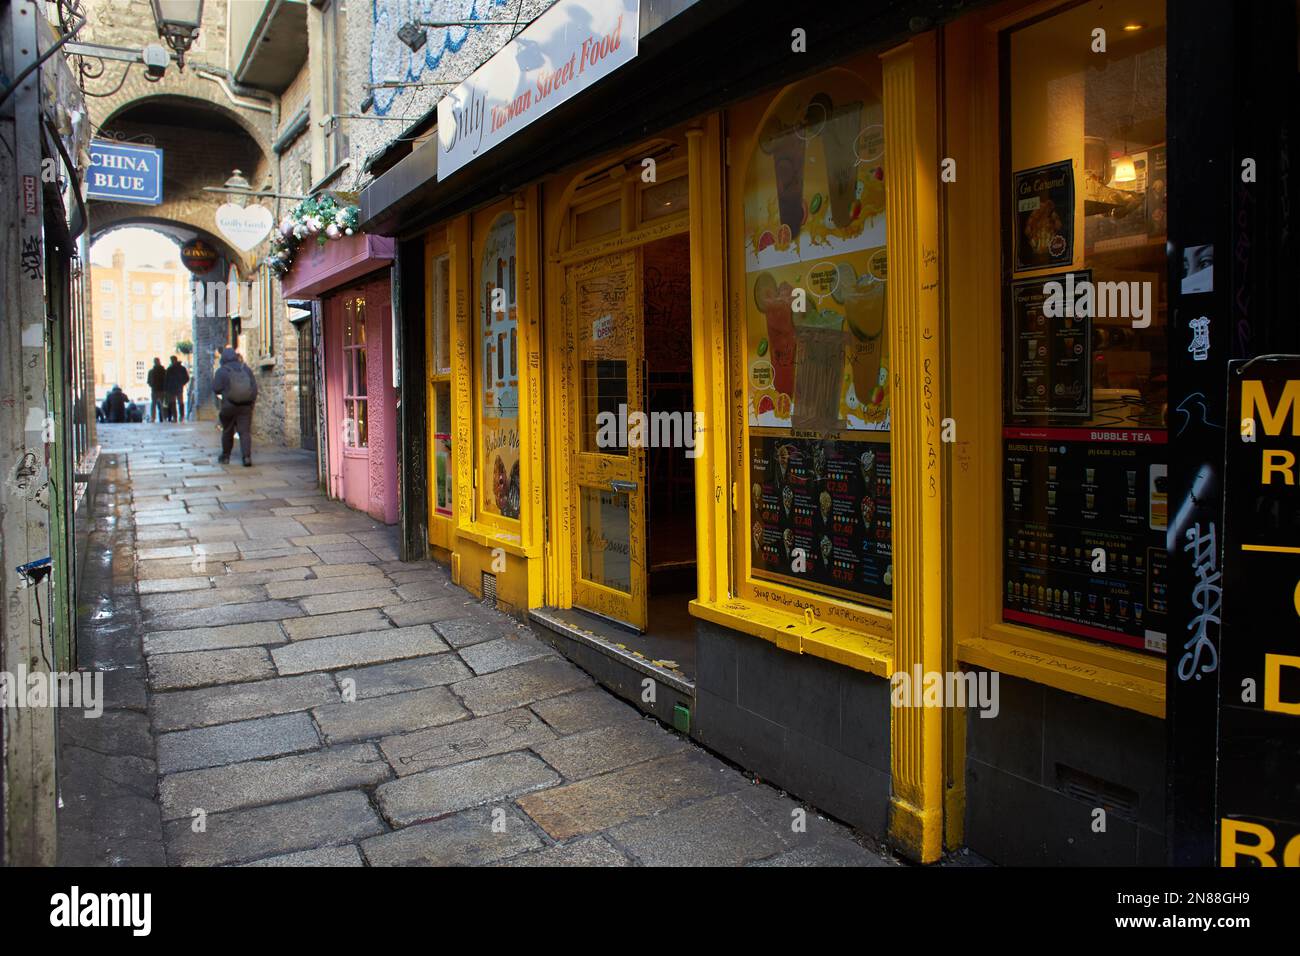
x: 1198, y: 269
x: 244, y: 226
x: 1200, y: 344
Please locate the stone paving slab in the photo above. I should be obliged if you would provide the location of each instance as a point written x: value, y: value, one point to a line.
x: 226, y: 614
x: 504, y: 652
x: 435, y: 793
x: 415, y: 673
x: 383, y: 716
x: 347, y: 601
x: 243, y: 835
x: 184, y: 600
x: 327, y: 585
x: 593, y: 851
x: 259, y: 782
x: 608, y: 748
x: 352, y: 650
x: 348, y: 855
x: 520, y: 685
x: 425, y: 612
x: 232, y: 743
x: 462, y: 631
x: 344, y: 622
x: 716, y: 832
x: 606, y: 801
x: 584, y: 710
x: 463, y: 839
x: 164, y: 585
x: 213, y: 638
x: 201, y: 668
x: 227, y: 703
x: 466, y: 740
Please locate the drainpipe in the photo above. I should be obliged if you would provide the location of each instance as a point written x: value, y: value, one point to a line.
x: 241, y: 96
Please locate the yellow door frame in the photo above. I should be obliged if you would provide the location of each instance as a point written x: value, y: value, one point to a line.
x: 619, y: 177
x: 440, y: 527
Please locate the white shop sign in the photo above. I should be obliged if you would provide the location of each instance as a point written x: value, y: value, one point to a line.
x: 571, y: 46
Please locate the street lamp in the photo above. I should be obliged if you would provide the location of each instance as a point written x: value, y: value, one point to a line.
x: 178, y: 24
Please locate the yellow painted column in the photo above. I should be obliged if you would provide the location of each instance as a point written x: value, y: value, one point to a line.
x: 709, y: 349
x: 913, y: 316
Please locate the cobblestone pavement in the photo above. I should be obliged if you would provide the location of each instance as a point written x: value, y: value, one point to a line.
x: 283, y: 690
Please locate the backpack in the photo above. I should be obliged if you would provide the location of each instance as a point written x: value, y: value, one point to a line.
x: 240, y: 387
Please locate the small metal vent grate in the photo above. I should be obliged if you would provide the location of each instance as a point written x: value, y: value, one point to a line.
x: 489, y: 588
x: 1096, y: 792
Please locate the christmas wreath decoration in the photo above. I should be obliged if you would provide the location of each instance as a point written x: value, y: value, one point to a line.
x: 323, y: 216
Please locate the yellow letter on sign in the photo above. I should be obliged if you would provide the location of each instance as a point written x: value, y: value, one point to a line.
x: 1273, y: 664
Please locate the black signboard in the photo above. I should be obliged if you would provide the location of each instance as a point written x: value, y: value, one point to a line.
x: 1053, y: 352
x: 1084, y: 518
x: 1044, y: 216
x: 821, y: 514
x: 1259, y: 704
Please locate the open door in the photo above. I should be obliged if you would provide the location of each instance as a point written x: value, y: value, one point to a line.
x: 603, y: 301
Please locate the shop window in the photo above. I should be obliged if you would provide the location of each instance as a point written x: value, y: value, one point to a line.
x: 669, y: 198
x: 108, y: 338
x: 440, y: 362
x: 1085, y: 360
x: 355, y: 418
x: 817, y: 358
x: 499, y: 370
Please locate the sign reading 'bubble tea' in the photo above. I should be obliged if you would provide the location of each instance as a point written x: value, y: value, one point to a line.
x: 1259, y: 691
x: 123, y: 172
x: 567, y: 49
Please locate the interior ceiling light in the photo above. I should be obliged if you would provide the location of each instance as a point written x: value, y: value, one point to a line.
x: 1133, y: 27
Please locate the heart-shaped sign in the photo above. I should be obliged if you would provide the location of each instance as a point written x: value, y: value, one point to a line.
x: 244, y: 226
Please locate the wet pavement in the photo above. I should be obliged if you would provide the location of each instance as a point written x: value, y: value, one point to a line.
x: 283, y: 690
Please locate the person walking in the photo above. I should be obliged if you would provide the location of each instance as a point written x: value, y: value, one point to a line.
x: 177, y: 377
x: 115, y: 405
x: 157, y: 382
x: 237, y: 386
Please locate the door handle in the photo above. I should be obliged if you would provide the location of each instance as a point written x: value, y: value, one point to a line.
x: 622, y: 485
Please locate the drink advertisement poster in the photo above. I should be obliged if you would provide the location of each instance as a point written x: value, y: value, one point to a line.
x: 499, y: 350
x: 1247, y: 604
x: 1053, y: 354
x: 817, y: 351
x: 1044, y: 216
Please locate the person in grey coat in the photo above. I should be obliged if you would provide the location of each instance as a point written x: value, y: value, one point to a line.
x: 237, y: 386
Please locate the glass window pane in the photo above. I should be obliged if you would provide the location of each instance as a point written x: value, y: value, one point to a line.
x: 597, y: 221
x: 604, y: 390
x: 665, y: 199
x: 1085, y: 328
x: 499, y: 368
x: 442, y: 448
x: 606, y: 547
x: 817, y: 353
x: 362, y: 433
x: 442, y: 315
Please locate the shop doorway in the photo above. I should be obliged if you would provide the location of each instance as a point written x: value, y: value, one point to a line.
x: 632, y: 470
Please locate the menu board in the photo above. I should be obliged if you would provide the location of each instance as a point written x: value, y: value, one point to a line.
x: 1051, y: 373
x: 1044, y: 216
x: 821, y: 513
x: 1068, y: 492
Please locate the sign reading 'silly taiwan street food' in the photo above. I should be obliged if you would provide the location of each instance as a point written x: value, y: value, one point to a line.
x: 568, y: 48
x: 1259, y: 691
x: 124, y: 172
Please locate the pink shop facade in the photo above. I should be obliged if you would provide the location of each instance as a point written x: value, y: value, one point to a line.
x: 347, y: 280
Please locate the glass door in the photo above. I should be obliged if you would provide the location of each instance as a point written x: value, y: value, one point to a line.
x: 608, y: 477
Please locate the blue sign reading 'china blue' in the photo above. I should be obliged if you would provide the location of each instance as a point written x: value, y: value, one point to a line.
x: 122, y: 172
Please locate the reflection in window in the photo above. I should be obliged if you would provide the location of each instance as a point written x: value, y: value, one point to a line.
x: 355, y: 411
x: 499, y: 368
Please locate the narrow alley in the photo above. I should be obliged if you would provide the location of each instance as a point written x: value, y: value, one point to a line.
x: 282, y: 690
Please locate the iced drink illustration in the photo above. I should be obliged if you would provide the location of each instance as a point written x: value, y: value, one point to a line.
x: 787, y: 148
x: 820, y: 356
x: 864, y: 308
x: 839, y: 137
x: 775, y: 302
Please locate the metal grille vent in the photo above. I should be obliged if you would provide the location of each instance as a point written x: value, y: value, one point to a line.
x: 1096, y: 792
x: 489, y: 588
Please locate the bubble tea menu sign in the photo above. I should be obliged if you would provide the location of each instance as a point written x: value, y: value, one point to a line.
x: 1044, y: 216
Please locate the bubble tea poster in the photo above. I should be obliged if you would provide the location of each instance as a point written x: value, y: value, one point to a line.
x: 815, y: 221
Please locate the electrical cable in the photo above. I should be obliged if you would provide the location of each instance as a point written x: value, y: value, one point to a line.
x: 58, y: 44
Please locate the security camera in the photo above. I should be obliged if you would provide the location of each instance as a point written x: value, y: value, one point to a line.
x: 155, y: 58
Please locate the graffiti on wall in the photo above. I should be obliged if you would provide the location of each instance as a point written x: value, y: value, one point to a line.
x: 402, y: 51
